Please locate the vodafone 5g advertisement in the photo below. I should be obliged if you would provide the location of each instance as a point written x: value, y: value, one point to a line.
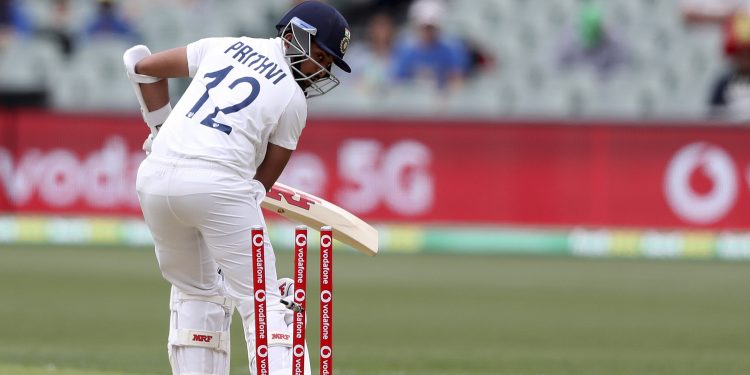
x: 425, y: 172
x: 628, y: 175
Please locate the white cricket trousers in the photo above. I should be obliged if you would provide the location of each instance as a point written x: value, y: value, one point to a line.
x: 200, y: 215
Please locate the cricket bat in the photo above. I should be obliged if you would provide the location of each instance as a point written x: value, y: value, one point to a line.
x: 315, y: 212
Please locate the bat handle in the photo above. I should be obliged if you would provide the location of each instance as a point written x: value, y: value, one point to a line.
x: 291, y: 305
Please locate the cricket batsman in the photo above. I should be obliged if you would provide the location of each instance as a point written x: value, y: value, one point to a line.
x: 211, y: 160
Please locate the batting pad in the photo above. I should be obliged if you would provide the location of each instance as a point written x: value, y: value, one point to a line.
x: 279, y: 344
x: 199, y: 334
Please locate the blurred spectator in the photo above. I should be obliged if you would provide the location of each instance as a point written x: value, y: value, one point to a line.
x: 19, y: 67
x: 479, y: 59
x: 730, y: 97
x: 428, y: 55
x: 359, y: 12
x: 592, y: 44
x: 371, y: 60
x: 60, y: 29
x: 12, y: 21
x: 110, y: 22
x: 712, y: 11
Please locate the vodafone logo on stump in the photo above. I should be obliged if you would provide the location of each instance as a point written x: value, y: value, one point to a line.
x: 701, y: 183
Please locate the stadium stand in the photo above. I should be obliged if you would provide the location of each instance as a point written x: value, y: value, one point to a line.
x: 670, y: 75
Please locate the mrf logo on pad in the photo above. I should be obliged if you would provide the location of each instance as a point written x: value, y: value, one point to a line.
x: 280, y: 336
x: 202, y: 338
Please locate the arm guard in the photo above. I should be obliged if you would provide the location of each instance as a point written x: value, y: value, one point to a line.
x: 131, y: 57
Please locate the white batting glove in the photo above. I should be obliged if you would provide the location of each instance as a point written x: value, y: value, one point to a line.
x: 147, y: 143
x: 286, y: 288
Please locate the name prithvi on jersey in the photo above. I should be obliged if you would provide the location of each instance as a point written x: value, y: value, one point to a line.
x: 263, y: 65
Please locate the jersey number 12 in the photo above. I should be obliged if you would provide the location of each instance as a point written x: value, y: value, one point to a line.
x: 215, y: 79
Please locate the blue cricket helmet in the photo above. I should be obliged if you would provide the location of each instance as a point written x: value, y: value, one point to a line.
x: 332, y: 31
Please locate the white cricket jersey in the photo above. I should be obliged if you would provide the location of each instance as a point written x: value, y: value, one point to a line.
x: 242, y: 96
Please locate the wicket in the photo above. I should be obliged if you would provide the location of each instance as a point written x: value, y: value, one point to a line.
x: 300, y: 301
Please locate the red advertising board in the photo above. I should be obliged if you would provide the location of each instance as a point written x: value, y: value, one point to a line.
x: 600, y: 174
x: 7, y: 153
x: 660, y: 175
x: 71, y: 164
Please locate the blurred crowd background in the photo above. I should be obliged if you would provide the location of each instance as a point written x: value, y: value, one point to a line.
x: 685, y: 59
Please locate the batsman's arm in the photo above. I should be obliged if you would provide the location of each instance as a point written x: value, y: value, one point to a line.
x: 273, y: 164
x: 147, y: 73
x: 171, y: 63
x: 282, y: 141
x: 168, y: 64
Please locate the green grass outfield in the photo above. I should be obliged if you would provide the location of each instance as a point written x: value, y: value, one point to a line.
x: 94, y: 311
